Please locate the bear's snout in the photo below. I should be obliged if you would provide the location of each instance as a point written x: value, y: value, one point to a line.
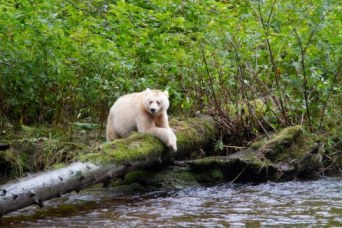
x: 153, y: 110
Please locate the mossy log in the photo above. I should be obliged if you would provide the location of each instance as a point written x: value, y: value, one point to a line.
x: 287, y: 156
x: 112, y: 160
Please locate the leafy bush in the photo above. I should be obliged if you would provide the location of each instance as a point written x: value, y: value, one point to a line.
x: 62, y: 60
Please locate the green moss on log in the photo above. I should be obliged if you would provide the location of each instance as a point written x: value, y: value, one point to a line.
x: 191, y: 135
x: 290, y: 143
x: 137, y: 147
x: 162, y: 179
x: 288, y: 155
x: 137, y: 176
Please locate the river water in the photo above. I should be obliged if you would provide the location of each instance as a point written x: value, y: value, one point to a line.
x: 311, y: 203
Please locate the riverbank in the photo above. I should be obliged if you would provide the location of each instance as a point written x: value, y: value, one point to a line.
x: 37, y: 148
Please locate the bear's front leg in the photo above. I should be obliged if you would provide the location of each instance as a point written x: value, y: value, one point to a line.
x: 172, y: 140
x: 166, y: 135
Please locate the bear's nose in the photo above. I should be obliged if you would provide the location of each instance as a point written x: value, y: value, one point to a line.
x: 153, y: 110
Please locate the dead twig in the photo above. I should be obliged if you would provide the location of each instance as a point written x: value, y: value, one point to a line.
x: 238, y: 175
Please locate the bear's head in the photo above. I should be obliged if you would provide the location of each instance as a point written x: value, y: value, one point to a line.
x: 156, y: 101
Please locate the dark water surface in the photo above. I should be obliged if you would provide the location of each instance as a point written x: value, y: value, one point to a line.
x: 312, y: 203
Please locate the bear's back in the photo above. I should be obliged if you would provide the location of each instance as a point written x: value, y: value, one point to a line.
x: 125, y: 111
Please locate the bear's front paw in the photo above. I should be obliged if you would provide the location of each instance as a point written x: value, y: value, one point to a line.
x: 172, y: 140
x: 174, y: 147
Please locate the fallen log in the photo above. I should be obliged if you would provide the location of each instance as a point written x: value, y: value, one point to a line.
x: 286, y: 156
x: 289, y: 155
x: 112, y: 160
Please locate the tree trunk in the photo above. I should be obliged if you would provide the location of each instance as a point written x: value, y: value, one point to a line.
x: 112, y: 160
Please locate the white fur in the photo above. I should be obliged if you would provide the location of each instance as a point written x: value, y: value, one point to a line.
x: 144, y: 112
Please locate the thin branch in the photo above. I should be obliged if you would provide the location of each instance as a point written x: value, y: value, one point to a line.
x: 255, y: 74
x: 303, y: 50
x: 270, y: 15
x: 337, y: 143
x: 251, y: 111
x: 235, y: 147
x: 210, y: 77
x: 85, y: 11
x: 238, y: 175
x: 305, y: 82
x: 3, y: 63
x: 271, y: 57
x: 338, y: 74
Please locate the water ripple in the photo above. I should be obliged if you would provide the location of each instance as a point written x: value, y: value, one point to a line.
x: 311, y: 203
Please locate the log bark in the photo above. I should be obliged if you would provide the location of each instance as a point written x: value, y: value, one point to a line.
x: 112, y: 160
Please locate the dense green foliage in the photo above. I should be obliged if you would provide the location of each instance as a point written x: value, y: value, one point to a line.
x: 68, y: 59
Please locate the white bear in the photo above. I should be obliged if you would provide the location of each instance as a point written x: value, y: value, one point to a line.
x: 144, y: 112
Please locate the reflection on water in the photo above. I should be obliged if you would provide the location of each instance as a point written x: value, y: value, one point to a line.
x: 314, y: 203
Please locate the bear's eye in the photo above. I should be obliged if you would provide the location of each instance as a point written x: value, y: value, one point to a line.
x: 158, y: 102
x: 151, y: 102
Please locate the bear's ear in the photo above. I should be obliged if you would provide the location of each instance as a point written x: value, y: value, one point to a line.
x: 166, y: 93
